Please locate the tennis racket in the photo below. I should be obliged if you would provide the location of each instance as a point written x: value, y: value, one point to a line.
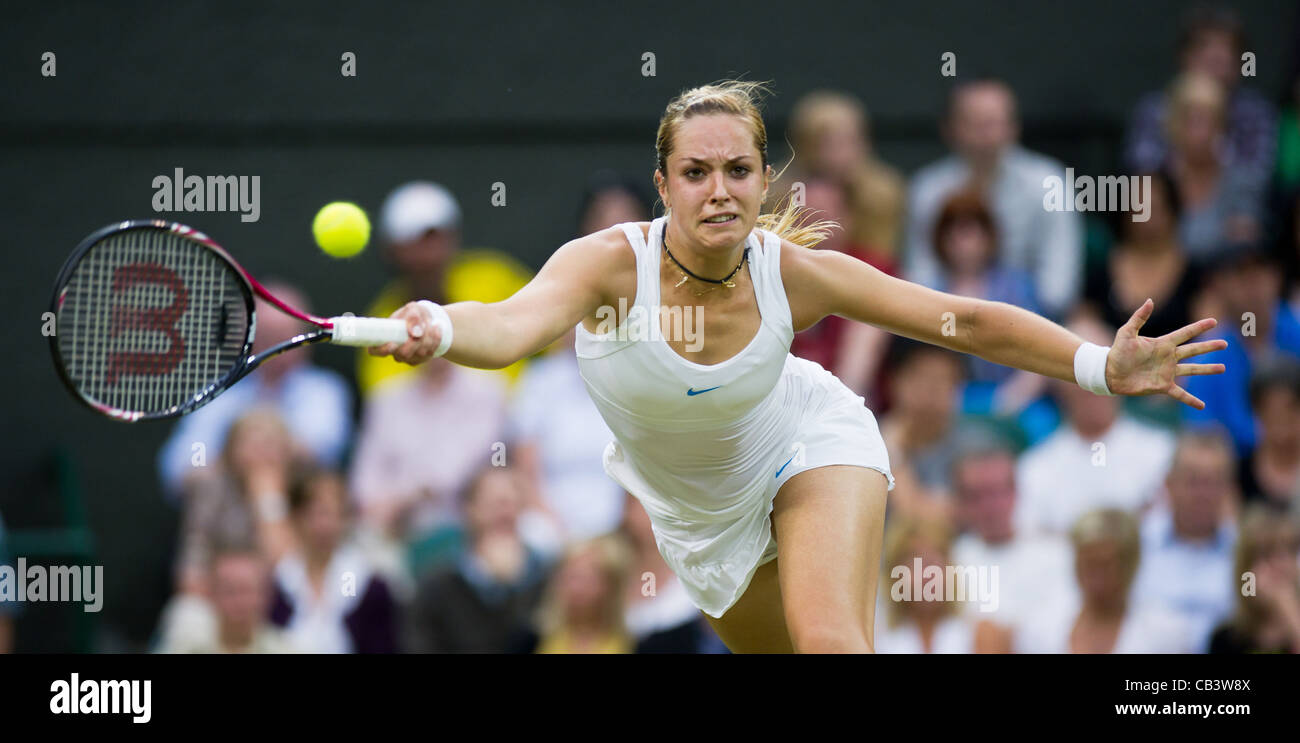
x: 154, y: 320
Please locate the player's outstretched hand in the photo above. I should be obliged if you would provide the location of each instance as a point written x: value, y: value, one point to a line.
x: 1138, y: 365
x: 423, y: 341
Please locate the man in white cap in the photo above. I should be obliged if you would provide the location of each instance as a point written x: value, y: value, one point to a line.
x: 420, y: 223
x: 420, y: 227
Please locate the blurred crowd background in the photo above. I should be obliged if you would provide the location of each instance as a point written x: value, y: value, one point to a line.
x: 332, y: 503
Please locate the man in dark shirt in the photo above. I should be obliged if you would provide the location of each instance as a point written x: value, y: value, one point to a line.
x: 483, y: 600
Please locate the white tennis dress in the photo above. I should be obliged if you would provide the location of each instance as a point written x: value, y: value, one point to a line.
x: 706, y: 447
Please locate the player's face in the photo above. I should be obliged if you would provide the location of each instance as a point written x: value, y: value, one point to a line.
x: 715, y: 172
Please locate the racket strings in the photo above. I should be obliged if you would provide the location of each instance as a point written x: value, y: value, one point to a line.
x: 151, y: 321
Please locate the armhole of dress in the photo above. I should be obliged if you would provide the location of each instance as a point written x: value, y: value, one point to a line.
x: 641, y: 250
x: 772, y: 256
x: 583, y: 343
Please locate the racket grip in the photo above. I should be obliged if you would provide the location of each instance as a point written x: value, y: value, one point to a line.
x: 368, y: 331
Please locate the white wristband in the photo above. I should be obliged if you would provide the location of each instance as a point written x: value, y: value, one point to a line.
x: 1090, y: 368
x: 440, y: 318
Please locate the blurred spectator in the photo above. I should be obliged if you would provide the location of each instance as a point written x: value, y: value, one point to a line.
x: 420, y: 228
x: 314, y: 402
x: 982, y: 129
x: 966, y: 246
x: 421, y: 440
x: 1270, y: 476
x: 1267, y: 619
x: 852, y: 351
x: 920, y: 428
x: 8, y: 609
x: 660, y: 615
x: 582, y: 609
x: 831, y: 135
x: 482, y: 601
x: 610, y: 199
x: 1187, y: 544
x: 559, y: 440
x: 241, y: 596
x: 1099, y: 457
x: 1104, y: 618
x: 243, y: 504
x: 558, y: 435
x: 1210, y: 43
x: 1221, y: 205
x: 921, y: 624
x: 1032, y: 568
x: 1147, y: 262
x: 1244, y: 293
x: 328, y: 599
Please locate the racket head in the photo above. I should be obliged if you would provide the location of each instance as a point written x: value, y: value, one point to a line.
x: 153, y: 320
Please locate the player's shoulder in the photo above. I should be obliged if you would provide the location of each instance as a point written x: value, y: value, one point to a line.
x: 603, y: 260
x: 604, y: 254
x: 800, y: 262
x: 610, y: 245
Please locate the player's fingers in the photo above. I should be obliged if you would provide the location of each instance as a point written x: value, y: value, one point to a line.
x: 382, y: 350
x: 417, y: 322
x: 1138, y: 319
x: 1188, y: 332
x: 406, y: 353
x: 417, y: 329
x: 1185, y: 397
x: 1186, y: 370
x: 1196, y: 349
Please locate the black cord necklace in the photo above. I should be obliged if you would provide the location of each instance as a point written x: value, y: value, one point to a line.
x: 725, y: 281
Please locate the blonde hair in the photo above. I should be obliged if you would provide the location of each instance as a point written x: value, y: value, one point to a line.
x: 1111, y: 525
x: 615, y: 558
x: 900, y: 542
x: 790, y: 221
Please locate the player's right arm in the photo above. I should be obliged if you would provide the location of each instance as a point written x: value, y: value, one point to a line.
x: 571, y: 285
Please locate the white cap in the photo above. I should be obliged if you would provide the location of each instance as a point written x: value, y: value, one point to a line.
x: 417, y: 207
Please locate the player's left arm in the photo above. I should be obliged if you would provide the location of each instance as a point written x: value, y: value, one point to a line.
x: 826, y: 282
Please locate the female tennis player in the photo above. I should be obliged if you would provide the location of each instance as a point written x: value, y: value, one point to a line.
x: 734, y: 446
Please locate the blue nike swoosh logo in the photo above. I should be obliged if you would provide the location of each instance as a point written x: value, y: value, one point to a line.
x: 778, y: 472
x: 691, y: 392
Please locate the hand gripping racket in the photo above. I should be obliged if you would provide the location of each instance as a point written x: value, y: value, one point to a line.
x: 153, y: 320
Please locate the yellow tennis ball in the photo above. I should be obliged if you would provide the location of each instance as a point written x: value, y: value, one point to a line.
x: 341, y: 229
